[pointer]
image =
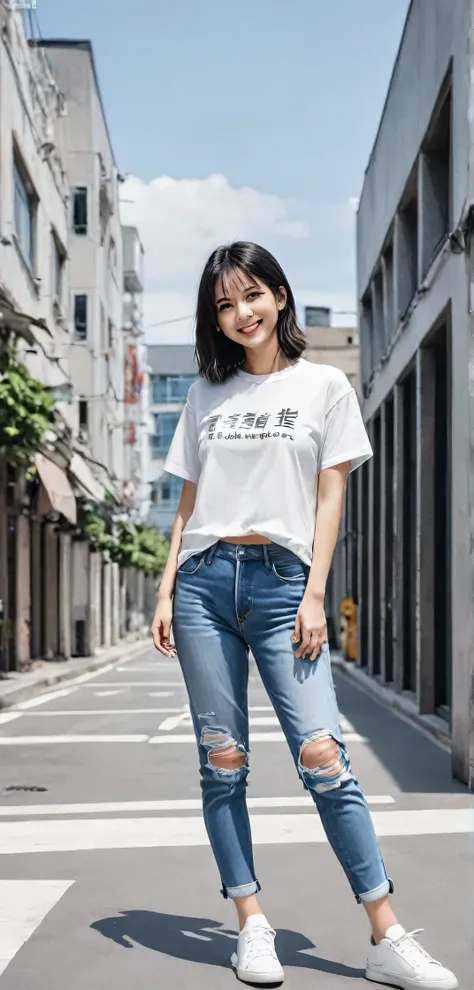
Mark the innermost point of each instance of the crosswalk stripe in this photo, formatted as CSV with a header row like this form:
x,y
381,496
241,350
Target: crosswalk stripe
x,y
136,684
23,906
349,737
179,804
9,717
60,740
66,835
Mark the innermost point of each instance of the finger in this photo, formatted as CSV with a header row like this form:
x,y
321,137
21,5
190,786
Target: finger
x,y
303,647
165,633
315,646
296,636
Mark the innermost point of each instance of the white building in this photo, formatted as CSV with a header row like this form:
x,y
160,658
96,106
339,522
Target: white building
x,y
136,451
95,252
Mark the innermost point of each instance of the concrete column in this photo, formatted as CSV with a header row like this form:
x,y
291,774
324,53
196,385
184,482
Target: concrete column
x,y
65,592
23,604
360,539
398,482
123,604
369,536
425,534
107,603
115,624
383,563
51,585
37,592
94,617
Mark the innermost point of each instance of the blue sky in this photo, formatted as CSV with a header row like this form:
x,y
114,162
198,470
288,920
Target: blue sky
x,y
251,120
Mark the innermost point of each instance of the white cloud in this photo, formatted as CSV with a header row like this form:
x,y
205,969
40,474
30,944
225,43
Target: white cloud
x,y
180,222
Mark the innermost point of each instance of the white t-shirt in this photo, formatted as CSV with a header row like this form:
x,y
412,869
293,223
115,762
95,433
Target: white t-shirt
x,y
255,444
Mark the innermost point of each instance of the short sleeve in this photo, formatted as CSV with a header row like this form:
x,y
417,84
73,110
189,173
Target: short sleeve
x,y
345,436
183,458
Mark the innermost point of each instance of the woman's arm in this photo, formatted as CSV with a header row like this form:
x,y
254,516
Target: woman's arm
x,y
161,625
311,627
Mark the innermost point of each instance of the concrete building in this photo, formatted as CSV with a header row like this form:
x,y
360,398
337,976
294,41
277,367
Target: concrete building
x,y
410,510
326,344
136,451
95,254
172,371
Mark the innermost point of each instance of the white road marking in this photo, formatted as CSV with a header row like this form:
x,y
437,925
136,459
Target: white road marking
x,y
140,684
53,740
156,668
174,720
161,694
106,694
349,737
9,717
23,906
202,938
104,711
179,804
43,699
138,833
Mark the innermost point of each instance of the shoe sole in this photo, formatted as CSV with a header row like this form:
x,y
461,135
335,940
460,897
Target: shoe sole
x,y
266,979
407,984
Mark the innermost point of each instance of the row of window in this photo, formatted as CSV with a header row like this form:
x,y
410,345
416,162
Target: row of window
x,y
165,426
171,388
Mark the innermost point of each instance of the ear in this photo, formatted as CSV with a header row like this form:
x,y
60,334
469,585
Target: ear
x,y
281,297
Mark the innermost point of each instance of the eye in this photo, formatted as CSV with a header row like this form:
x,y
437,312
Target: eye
x,y
223,306
254,294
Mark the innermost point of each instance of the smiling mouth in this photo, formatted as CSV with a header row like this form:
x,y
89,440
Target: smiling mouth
x,y
250,327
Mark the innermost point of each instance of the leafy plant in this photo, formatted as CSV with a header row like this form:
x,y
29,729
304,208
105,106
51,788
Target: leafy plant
x,y
127,544
26,410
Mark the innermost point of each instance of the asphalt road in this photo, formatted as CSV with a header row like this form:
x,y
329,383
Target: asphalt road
x,y
106,877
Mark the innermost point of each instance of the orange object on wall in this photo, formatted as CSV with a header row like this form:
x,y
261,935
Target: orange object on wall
x,y
348,628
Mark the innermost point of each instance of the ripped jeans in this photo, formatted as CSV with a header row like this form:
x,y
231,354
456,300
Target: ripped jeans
x,y
228,599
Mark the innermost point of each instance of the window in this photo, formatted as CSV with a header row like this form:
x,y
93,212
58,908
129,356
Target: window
x,y
57,268
110,334
171,388
165,425
171,488
80,317
79,221
436,182
83,412
24,209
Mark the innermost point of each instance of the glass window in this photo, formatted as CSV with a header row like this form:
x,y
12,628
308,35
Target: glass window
x,y
171,388
80,210
171,488
80,317
165,425
57,258
24,216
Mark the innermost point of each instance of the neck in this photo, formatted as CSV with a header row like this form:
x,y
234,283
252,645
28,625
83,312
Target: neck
x,y
266,359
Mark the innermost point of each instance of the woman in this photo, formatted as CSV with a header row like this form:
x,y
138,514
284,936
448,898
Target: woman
x,y
264,446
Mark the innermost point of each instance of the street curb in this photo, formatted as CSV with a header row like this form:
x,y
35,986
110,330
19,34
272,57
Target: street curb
x,y
431,725
14,690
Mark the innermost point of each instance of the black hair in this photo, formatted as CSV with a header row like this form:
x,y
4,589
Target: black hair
x,y
218,357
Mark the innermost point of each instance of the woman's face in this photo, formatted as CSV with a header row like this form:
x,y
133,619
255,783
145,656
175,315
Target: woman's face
x,y
247,310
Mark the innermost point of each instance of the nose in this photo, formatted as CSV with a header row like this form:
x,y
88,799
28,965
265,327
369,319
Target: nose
x,y
244,312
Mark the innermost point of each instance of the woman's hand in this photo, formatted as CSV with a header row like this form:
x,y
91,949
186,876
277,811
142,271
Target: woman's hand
x,y
310,627
161,626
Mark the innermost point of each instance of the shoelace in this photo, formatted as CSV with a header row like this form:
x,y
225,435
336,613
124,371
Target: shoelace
x,y
411,950
260,942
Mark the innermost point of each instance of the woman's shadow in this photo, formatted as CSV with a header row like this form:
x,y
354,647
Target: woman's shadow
x,y
203,940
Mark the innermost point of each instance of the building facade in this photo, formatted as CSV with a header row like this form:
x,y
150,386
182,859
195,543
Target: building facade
x,y
172,369
326,344
95,254
410,510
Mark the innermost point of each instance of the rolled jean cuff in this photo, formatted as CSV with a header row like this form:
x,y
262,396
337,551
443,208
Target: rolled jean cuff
x,y
244,890
382,890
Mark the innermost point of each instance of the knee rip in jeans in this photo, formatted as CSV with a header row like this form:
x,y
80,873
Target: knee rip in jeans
x,y
224,753
322,757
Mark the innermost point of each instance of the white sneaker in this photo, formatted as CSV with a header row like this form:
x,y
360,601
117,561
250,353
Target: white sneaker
x,y
256,960
400,961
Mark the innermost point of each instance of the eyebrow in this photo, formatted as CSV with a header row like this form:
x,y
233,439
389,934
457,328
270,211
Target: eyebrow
x,y
246,289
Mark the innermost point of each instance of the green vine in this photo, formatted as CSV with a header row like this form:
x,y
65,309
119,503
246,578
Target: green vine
x,y
127,544
26,410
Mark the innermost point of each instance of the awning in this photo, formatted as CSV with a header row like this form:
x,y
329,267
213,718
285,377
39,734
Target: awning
x,y
55,492
84,479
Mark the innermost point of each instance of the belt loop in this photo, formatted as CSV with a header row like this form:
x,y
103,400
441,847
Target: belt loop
x,y
266,556
211,553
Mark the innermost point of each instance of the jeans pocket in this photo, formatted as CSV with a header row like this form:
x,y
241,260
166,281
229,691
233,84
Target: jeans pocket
x,y
290,570
192,563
